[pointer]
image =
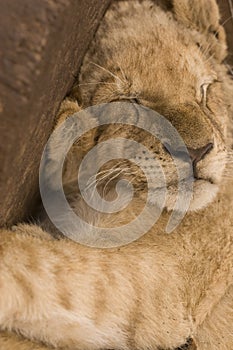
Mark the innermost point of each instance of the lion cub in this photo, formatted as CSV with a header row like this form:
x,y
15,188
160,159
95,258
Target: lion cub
x,y
159,290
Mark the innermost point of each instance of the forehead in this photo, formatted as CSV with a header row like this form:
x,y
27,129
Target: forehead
x,y
163,71
163,63
159,48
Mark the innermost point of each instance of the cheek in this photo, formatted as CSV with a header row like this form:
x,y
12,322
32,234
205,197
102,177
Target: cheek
x,y
170,171
161,172
216,104
203,194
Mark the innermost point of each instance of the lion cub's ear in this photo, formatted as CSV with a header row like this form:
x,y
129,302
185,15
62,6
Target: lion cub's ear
x,y
203,16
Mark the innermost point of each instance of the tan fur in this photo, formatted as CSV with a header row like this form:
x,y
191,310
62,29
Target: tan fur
x,y
160,290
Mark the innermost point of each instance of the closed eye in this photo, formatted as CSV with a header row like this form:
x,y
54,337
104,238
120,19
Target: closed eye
x,y
125,99
204,89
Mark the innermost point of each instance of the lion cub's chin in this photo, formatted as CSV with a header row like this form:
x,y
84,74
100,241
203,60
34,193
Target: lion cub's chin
x,y
202,195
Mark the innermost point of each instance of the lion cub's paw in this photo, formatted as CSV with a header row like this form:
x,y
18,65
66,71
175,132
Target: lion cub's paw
x,y
67,108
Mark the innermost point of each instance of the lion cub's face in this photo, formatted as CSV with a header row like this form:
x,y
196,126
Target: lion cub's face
x,y
146,56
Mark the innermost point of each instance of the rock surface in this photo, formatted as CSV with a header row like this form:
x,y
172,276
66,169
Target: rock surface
x,y
42,44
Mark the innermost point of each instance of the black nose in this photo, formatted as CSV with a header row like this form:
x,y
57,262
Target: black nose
x,y
197,154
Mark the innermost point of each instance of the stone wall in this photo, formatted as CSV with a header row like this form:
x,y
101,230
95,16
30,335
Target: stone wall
x,y
42,44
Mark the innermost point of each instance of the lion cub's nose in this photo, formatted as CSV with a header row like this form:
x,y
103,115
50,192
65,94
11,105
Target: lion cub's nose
x,y
197,154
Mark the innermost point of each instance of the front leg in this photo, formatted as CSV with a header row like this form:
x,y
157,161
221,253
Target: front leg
x,y
216,332
76,297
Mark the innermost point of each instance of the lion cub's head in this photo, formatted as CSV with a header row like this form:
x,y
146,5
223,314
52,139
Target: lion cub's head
x,y
168,59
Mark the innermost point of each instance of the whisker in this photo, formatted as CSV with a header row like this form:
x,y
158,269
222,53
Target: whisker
x,y
96,83
112,178
131,180
105,174
94,180
207,49
123,74
227,20
209,58
107,71
112,172
231,7
106,170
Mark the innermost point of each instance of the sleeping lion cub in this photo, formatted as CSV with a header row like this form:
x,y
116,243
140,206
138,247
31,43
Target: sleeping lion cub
x,y
160,291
